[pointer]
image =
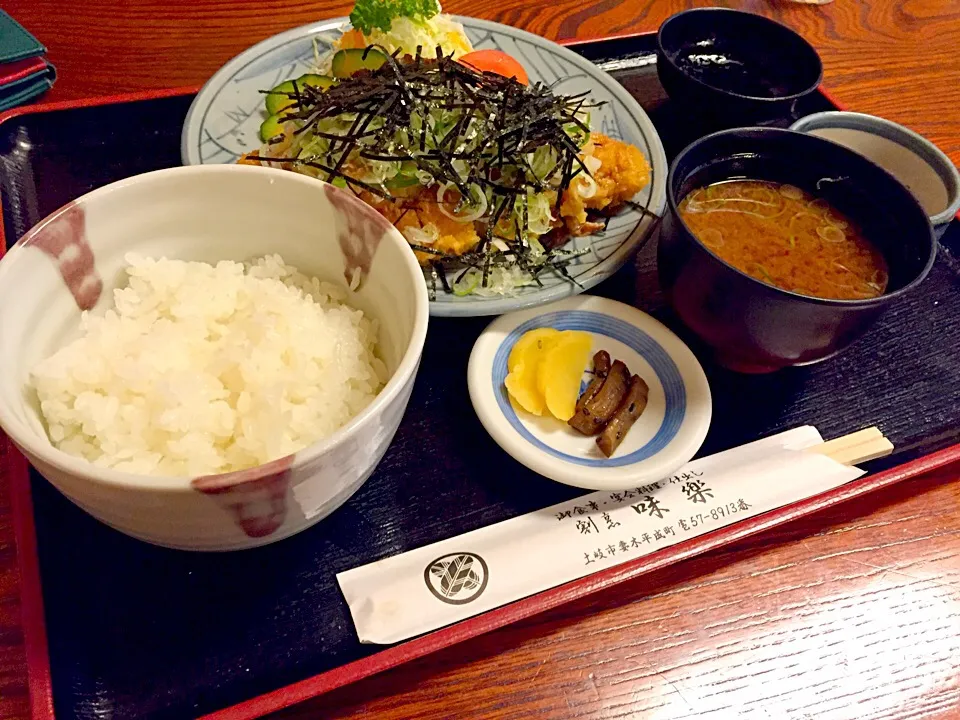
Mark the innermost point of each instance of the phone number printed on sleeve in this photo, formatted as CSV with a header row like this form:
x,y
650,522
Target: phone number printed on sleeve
x,y
718,513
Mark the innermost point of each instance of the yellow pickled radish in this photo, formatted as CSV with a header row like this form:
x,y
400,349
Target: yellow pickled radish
x,y
561,370
545,347
530,345
545,367
524,360
522,386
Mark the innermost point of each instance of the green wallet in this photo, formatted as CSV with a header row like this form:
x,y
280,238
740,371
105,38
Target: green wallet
x,y
24,74
26,88
15,42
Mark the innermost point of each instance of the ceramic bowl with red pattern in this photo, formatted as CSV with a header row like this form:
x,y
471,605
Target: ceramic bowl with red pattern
x,y
73,260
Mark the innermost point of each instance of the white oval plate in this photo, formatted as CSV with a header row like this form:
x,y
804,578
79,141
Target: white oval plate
x,y
224,120
665,437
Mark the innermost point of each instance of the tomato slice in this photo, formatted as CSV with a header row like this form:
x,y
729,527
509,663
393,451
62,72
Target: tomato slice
x,y
496,61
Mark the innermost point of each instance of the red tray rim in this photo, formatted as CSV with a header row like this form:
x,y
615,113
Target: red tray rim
x,y
39,679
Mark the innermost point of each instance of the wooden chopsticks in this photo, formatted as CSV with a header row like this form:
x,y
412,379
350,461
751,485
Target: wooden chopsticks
x,y
858,447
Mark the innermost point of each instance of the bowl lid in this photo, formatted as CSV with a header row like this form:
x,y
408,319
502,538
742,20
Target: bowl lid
x,y
915,161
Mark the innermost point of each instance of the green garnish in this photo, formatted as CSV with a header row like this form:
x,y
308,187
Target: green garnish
x,y
766,276
466,283
368,15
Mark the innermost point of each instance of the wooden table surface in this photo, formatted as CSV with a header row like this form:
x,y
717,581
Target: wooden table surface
x,y
853,613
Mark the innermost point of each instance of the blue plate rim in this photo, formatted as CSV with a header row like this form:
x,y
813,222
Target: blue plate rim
x,y
681,449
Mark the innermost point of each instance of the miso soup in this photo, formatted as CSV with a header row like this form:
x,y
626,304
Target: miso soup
x,y
787,238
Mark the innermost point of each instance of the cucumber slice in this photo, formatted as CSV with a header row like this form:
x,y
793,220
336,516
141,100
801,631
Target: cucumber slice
x,y
271,127
279,98
319,81
346,62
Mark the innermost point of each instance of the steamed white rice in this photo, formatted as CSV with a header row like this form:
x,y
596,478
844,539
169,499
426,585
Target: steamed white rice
x,y
204,369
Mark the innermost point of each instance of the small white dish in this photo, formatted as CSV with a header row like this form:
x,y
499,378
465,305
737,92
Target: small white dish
x,y
667,434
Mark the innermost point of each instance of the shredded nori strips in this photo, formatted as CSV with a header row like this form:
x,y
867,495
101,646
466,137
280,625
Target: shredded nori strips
x,y
492,124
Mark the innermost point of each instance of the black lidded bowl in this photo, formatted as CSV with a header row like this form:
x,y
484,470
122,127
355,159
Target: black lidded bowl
x,y
734,68
755,327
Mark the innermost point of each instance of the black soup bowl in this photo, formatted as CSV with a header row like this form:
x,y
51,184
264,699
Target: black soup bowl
x,y
734,67
753,326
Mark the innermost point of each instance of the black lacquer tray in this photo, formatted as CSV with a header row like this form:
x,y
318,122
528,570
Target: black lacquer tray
x,y
140,631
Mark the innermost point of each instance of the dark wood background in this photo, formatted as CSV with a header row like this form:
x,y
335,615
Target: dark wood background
x,y
853,613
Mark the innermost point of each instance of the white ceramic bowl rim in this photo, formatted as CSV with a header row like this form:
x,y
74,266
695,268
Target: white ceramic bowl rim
x,y
46,451
904,136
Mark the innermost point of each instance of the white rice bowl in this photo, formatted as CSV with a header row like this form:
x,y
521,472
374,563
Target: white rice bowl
x,y
203,369
339,371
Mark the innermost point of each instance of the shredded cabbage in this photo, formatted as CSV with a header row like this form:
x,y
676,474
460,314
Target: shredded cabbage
x,y
377,172
406,34
576,133
543,161
503,281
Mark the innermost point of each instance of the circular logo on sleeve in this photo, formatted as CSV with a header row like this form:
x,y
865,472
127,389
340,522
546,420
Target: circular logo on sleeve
x,y
457,578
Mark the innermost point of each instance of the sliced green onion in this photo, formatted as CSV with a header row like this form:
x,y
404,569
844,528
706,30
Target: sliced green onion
x,y
465,285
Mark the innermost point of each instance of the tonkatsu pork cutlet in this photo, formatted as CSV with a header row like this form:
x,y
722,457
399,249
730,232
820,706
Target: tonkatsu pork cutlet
x,y
623,172
421,212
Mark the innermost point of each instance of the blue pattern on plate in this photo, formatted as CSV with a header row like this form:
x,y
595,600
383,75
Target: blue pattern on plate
x,y
666,370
